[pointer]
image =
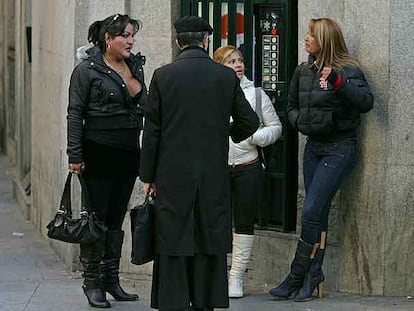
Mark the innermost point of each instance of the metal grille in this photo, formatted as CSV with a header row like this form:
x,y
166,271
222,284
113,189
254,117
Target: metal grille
x,y
266,33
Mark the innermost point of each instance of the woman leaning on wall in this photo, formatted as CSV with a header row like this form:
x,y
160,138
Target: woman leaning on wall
x,y
327,94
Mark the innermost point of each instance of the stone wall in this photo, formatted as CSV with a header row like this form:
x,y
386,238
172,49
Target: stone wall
x,y
7,105
53,60
2,78
399,146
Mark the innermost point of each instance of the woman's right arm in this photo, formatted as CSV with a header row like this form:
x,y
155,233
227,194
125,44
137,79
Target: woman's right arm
x,y
78,101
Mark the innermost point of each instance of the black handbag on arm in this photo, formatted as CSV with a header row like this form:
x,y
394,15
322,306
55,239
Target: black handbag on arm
x,y
142,231
86,229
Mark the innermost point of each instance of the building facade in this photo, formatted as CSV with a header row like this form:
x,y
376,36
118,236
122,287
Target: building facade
x,y
372,221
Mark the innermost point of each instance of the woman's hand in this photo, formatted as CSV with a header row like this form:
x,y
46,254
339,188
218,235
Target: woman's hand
x,y
325,72
76,168
323,80
149,188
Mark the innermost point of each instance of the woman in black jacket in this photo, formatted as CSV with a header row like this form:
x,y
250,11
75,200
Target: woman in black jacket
x,y
326,97
106,97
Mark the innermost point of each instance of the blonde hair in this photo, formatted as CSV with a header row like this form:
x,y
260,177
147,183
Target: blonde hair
x,y
333,50
222,53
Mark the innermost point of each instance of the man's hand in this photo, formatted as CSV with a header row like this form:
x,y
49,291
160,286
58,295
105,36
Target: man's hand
x,y
76,168
149,188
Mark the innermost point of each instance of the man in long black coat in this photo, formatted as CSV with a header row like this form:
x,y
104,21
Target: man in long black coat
x,y
184,162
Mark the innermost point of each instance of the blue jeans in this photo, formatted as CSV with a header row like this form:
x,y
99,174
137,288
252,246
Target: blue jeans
x,y
325,166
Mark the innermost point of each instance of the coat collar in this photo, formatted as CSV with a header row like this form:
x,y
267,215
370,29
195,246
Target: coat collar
x,y
193,52
312,62
95,58
246,83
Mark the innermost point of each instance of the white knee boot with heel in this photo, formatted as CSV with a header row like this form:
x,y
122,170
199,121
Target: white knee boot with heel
x,y
242,247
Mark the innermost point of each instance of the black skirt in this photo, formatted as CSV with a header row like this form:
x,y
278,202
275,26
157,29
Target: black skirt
x,y
106,161
181,281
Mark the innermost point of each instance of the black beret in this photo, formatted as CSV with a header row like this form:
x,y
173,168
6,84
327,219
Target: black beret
x,y
192,24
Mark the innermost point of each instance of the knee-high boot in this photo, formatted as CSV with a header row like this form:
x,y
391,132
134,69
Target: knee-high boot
x,y
314,278
300,265
242,247
90,257
110,267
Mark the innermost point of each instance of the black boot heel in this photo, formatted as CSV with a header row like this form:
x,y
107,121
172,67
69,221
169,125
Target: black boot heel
x,y
96,297
116,291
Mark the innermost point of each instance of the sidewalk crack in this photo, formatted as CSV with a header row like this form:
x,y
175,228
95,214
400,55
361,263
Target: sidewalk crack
x,y
31,297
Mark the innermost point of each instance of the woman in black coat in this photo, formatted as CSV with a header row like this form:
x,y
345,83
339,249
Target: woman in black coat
x,y
106,96
326,97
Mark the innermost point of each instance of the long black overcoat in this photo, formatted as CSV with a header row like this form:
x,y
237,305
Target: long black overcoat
x,y
185,148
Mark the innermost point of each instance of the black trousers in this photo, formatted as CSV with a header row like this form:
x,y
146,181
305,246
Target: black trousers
x,y
109,197
246,184
110,175
199,280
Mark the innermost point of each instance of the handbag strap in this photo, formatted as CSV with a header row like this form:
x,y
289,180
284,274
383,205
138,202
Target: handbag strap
x,y
66,200
259,112
85,201
258,107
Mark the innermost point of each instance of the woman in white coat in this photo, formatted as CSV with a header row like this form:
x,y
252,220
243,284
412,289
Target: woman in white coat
x,y
246,171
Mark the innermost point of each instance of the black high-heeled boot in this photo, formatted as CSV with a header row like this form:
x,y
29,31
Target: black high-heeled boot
x,y
314,278
90,256
300,265
110,267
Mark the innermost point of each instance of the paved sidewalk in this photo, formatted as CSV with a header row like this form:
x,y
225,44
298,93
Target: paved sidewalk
x,y
32,278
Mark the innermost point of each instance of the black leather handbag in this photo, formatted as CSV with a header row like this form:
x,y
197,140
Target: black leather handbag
x,y
142,231
86,229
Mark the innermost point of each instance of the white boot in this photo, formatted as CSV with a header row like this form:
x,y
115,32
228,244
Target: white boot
x,y
242,247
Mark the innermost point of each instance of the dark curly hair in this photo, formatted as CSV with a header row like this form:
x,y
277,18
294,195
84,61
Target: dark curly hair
x,y
114,25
